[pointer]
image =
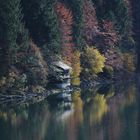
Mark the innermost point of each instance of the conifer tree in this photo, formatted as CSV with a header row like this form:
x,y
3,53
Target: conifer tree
x,y
10,25
51,22
41,20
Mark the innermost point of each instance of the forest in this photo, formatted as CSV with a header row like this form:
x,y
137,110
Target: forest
x,y
98,39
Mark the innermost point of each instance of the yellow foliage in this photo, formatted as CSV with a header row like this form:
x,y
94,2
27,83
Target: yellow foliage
x,y
78,105
129,60
94,61
98,109
76,65
76,98
75,81
2,81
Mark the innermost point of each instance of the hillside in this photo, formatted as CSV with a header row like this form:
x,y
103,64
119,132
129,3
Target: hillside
x,y
98,39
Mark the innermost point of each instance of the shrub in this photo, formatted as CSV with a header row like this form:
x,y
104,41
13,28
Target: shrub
x,y
31,71
36,67
93,61
14,80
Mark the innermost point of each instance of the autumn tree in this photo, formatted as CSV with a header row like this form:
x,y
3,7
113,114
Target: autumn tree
x,y
114,59
100,34
119,12
77,9
76,68
76,64
93,61
108,36
65,24
91,27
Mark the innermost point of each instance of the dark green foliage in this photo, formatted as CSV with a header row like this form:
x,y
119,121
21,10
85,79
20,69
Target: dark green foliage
x,y
51,22
118,10
41,20
10,22
99,8
13,36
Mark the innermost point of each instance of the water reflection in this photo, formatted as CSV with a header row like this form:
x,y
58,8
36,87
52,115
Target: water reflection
x,y
100,113
98,108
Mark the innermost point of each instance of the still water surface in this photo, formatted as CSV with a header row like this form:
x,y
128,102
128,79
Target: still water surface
x,y
105,113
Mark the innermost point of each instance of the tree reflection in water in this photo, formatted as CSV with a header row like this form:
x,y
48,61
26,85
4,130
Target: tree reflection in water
x,y
105,113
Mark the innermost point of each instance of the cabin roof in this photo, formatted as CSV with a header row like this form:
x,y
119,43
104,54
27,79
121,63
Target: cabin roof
x,y
62,65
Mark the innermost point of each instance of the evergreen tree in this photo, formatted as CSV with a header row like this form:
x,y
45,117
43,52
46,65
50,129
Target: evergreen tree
x,y
120,10
10,24
41,20
51,22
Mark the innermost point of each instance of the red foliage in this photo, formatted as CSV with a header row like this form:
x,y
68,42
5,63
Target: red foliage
x,y
109,37
65,23
91,28
104,36
101,36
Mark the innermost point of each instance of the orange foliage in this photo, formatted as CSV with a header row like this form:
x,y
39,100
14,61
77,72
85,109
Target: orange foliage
x,y
65,24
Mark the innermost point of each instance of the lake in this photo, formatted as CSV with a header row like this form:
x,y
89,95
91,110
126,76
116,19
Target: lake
x,y
109,112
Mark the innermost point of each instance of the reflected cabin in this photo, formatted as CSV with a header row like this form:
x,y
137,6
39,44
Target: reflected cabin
x,y
60,71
